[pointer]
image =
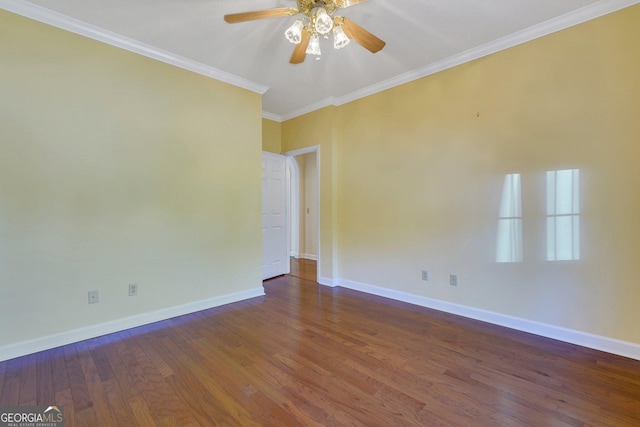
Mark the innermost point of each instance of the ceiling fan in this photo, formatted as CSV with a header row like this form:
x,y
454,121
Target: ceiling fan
x,y
318,20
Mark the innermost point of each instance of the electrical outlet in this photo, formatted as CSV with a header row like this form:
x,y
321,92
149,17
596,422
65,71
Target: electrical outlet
x,y
425,275
133,289
453,280
93,297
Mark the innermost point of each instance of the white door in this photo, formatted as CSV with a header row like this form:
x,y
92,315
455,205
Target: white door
x,y
275,259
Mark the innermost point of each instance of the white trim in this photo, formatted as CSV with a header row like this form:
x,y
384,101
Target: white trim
x,y
77,26
553,25
300,151
293,205
326,102
597,342
325,281
44,343
309,256
269,116
289,219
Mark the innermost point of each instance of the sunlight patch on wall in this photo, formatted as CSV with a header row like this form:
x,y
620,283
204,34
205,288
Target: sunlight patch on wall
x,y
509,240
563,215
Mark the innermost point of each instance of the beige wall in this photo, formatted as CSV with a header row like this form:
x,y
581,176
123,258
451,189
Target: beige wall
x,y
418,172
117,169
271,136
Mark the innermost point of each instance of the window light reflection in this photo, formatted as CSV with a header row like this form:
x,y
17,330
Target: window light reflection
x,y
509,240
563,215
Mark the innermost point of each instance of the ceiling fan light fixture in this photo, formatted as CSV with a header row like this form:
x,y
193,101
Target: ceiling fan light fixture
x,y
340,39
314,46
323,22
294,32
316,19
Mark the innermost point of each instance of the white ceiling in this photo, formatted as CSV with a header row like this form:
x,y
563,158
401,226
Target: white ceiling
x,y
423,36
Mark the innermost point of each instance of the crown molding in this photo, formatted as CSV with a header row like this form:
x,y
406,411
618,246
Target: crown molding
x,y
47,16
270,116
326,102
553,25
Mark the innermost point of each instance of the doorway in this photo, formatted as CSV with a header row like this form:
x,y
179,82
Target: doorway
x,y
303,173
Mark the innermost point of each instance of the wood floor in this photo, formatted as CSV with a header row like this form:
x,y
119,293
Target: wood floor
x,y
308,355
304,269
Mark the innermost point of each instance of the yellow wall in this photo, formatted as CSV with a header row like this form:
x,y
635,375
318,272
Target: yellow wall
x,y
319,129
117,169
301,163
271,136
308,206
420,169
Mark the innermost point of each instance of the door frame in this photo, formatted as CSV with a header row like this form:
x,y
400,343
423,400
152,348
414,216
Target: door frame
x,y
291,154
293,205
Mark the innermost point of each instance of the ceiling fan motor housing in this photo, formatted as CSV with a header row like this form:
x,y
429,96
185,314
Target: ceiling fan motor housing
x,y
306,6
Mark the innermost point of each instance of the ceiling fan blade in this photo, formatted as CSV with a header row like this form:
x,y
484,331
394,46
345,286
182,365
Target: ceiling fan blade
x,y
346,3
361,36
300,51
260,14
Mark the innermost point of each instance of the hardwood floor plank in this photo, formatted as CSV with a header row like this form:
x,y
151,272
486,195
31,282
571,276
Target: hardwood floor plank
x,y
59,376
304,269
157,360
181,333
162,402
97,393
314,405
77,383
122,412
28,380
141,412
188,387
101,361
64,398
311,355
498,397
112,350
263,388
86,418
226,380
46,392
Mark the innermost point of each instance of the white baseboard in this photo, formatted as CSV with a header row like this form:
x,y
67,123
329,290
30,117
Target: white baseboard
x,y
45,343
325,281
309,256
596,342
